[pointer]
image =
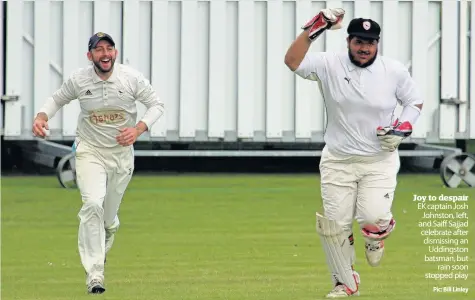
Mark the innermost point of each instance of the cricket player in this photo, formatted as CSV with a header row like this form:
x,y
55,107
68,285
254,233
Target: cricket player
x,y
360,160
107,93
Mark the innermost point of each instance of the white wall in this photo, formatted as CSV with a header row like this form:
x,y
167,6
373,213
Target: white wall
x,y
2,67
218,65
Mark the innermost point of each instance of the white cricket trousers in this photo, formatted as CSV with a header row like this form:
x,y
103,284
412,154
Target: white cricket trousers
x,y
102,175
358,187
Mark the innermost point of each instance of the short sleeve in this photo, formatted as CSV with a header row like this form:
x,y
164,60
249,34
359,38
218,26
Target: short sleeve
x,y
313,66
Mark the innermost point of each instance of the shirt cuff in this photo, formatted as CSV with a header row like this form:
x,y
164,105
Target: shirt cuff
x,y
152,115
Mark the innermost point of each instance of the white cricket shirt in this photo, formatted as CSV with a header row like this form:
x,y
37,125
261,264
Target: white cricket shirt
x,y
358,100
106,105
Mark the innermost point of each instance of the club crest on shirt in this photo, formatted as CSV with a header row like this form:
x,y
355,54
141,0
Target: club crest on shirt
x,y
107,117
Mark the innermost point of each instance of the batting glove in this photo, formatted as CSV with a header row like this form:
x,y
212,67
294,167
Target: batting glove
x,y
328,18
391,136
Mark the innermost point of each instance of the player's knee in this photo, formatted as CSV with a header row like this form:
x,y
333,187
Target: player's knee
x,y
369,218
90,210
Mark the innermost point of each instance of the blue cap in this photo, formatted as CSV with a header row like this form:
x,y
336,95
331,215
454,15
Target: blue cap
x,y
96,38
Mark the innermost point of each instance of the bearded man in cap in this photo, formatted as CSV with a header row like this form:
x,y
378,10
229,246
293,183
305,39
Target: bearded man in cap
x,y
360,160
107,129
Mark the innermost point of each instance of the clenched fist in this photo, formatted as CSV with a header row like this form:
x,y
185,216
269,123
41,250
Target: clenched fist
x,y
40,125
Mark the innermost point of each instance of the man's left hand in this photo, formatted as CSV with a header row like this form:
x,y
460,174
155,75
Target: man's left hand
x,y
391,136
127,136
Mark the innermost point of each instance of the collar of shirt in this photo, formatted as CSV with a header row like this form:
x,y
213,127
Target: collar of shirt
x,y
112,78
351,66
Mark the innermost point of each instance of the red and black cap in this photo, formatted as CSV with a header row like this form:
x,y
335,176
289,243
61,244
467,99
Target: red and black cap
x,y
364,28
96,38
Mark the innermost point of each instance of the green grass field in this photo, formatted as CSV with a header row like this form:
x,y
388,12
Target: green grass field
x,y
211,237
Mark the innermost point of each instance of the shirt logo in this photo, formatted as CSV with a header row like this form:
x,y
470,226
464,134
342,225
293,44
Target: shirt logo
x,y
106,117
347,79
88,93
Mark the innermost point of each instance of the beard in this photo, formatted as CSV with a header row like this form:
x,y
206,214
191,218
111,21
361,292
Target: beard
x,y
359,64
97,64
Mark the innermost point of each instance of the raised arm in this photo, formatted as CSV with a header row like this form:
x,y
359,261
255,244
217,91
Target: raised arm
x,y
297,51
298,60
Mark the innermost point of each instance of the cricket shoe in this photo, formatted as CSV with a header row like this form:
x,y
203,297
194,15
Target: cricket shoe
x,y
96,287
341,291
374,252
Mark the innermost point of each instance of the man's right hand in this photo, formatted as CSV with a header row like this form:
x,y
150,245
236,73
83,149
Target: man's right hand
x,y
40,125
328,18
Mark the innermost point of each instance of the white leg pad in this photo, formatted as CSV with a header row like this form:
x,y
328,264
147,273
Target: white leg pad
x,y
338,252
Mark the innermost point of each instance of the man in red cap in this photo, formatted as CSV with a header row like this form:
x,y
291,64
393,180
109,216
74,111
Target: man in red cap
x,y
360,160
